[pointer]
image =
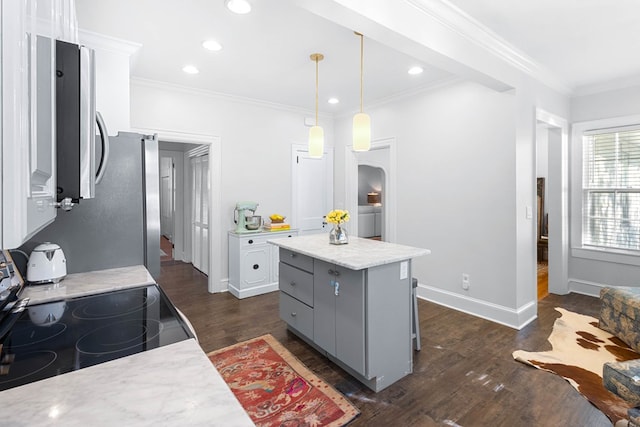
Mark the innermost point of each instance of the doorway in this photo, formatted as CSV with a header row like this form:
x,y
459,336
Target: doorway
x,y
382,156
370,202
552,151
175,188
213,146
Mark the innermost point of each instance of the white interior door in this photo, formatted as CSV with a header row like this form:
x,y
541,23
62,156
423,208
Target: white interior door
x,y
166,197
312,181
200,213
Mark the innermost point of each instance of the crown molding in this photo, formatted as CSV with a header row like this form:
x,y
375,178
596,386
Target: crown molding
x,y
460,22
111,44
155,84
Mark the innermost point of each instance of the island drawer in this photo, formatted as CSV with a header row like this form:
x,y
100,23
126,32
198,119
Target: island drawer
x,y
295,259
297,283
298,315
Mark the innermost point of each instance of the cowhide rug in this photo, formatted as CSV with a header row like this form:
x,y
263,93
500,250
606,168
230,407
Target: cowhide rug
x,y
580,349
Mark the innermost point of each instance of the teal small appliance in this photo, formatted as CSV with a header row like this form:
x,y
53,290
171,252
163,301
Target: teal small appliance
x,y
243,216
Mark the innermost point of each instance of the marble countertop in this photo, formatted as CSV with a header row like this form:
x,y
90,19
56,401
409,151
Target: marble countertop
x,y
173,385
94,282
169,385
358,254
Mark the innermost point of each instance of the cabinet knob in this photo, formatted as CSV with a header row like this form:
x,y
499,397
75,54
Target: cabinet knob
x,y
293,314
337,273
256,266
289,235
330,272
292,283
250,241
293,254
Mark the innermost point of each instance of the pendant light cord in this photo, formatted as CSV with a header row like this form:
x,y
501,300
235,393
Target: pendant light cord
x,y
316,91
361,68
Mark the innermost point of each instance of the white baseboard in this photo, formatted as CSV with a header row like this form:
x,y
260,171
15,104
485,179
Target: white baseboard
x,y
586,287
256,290
516,319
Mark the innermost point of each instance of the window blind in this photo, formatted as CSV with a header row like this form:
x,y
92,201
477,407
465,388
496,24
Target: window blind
x,y
611,189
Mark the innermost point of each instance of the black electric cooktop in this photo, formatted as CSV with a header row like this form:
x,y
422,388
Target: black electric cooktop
x,y
57,337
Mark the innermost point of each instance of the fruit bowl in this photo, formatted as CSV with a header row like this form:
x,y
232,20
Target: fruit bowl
x,y
277,219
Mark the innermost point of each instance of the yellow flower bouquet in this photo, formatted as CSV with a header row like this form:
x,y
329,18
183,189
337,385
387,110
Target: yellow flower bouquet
x,y
338,235
338,216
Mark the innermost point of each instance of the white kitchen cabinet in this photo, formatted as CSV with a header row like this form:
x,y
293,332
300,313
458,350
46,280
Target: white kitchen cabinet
x,y
29,30
253,263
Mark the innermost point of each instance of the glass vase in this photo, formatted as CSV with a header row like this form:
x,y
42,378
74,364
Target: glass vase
x,y
338,235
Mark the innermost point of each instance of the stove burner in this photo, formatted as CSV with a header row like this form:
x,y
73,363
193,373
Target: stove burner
x,y
119,336
97,309
31,335
28,364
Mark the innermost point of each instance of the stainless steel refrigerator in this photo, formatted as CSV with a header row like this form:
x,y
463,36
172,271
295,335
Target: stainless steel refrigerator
x,y
120,227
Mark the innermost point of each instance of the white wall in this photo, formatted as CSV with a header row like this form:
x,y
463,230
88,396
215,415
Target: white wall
x,y
112,58
589,275
256,141
455,191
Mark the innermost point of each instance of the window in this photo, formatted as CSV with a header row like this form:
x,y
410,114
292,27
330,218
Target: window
x,y
611,188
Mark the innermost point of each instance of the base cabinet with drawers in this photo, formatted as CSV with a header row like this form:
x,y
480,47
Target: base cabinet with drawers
x,y
360,319
253,263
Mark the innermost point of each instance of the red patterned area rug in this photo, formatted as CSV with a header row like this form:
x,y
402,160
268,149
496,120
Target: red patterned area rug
x,y
276,389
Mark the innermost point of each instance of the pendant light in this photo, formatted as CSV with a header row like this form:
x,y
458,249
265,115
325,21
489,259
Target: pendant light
x,y
316,134
361,121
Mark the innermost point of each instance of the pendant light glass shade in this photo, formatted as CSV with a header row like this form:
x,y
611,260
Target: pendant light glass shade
x,y
361,132
316,141
361,121
316,134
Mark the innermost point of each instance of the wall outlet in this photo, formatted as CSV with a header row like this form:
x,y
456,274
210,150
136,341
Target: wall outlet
x,y
466,281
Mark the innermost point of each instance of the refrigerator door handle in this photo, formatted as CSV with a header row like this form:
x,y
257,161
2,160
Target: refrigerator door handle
x,y
104,138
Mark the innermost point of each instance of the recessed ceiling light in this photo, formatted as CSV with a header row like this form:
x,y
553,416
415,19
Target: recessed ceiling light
x,y
240,7
415,70
212,45
333,100
190,69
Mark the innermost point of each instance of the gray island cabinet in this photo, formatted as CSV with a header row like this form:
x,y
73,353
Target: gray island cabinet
x,y
351,302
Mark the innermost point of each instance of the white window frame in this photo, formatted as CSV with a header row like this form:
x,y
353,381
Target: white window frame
x,y
577,249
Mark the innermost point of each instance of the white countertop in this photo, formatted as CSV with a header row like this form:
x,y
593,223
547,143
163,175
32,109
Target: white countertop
x,y
358,254
94,282
172,385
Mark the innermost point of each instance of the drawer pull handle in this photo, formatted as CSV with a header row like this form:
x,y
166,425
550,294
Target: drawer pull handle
x,y
256,266
334,273
293,283
251,241
293,314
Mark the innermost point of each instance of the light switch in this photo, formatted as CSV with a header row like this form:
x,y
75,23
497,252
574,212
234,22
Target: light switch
x,y
529,212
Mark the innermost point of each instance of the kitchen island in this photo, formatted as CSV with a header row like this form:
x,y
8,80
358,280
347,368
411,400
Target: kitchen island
x,y
351,302
173,384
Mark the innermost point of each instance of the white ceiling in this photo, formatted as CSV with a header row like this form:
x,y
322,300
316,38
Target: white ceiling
x,y
582,42
265,54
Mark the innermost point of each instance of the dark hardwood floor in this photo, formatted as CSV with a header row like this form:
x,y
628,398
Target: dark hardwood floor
x,y
463,376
